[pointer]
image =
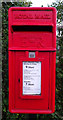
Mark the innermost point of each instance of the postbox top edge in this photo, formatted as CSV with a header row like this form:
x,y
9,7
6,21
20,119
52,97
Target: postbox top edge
x,y
33,8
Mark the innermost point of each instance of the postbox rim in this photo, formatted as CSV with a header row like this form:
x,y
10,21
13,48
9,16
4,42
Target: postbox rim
x,y
33,8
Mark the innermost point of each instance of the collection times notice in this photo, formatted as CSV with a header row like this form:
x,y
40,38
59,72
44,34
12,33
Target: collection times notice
x,y
31,78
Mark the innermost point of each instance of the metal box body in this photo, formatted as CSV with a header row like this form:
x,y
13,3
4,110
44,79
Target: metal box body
x,y
32,56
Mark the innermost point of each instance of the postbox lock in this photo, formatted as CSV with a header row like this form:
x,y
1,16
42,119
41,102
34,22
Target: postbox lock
x,y
31,54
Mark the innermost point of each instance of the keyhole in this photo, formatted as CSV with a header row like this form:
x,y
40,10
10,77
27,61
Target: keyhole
x,y
19,80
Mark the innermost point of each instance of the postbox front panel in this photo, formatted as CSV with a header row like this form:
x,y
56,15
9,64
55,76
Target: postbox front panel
x,y
31,60
36,98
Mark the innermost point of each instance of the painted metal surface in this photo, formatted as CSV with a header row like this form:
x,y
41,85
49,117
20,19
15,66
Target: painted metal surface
x,y
32,39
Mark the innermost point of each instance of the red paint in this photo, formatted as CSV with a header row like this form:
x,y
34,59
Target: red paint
x,y
32,29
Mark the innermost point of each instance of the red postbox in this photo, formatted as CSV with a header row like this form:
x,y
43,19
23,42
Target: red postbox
x,y
32,56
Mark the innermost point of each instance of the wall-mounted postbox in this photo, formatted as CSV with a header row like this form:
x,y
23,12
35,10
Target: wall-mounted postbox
x,y
32,54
